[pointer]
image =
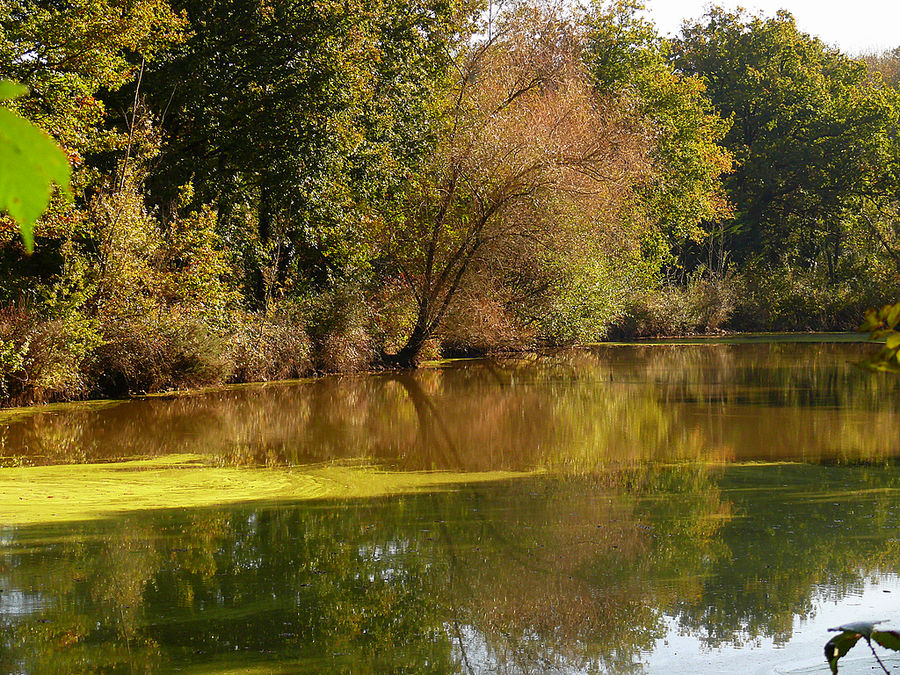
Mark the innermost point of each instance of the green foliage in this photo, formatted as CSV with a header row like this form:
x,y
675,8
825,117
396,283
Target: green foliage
x,y
30,163
69,53
882,324
331,104
127,307
838,646
784,297
627,58
163,296
621,45
587,296
265,188
814,141
889,639
194,266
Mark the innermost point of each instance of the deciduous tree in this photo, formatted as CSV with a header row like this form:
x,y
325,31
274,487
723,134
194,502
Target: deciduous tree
x,y
816,144
292,115
533,172
683,197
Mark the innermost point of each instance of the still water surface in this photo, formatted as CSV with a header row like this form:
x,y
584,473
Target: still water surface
x,y
680,509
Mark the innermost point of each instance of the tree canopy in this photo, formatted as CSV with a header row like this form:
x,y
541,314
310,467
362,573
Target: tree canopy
x,y
299,115
815,144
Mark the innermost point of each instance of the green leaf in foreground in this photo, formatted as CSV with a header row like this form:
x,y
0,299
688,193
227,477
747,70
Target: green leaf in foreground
x,y
10,90
30,163
881,324
839,645
889,639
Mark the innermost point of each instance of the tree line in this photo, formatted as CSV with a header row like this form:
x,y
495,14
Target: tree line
x,y
269,188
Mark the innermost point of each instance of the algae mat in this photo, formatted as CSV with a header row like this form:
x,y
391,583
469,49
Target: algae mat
x,y
47,494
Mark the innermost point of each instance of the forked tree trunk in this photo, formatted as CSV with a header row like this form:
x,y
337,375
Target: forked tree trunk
x,y
408,356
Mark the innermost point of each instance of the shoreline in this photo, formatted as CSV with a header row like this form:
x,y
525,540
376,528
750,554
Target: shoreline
x,y
708,339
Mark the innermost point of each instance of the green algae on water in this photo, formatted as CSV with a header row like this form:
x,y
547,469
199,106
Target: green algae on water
x,y
73,492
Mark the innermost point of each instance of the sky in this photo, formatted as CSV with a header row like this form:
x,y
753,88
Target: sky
x,y
857,26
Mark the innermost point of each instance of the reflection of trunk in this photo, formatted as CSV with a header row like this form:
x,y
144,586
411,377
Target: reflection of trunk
x,y
432,431
458,587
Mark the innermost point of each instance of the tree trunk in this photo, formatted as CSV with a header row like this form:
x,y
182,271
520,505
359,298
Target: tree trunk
x,y
408,356
265,218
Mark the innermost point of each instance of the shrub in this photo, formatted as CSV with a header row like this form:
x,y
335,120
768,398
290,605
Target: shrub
x,y
164,297
482,323
267,347
42,359
702,304
166,348
339,323
194,268
586,298
792,300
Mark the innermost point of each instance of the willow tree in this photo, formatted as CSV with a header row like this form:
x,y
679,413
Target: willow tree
x,y
531,173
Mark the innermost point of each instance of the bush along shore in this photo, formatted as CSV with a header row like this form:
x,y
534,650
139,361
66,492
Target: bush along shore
x,y
269,191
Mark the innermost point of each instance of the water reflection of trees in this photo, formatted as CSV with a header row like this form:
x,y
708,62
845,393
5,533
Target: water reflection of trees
x,y
405,585
569,582
93,590
576,410
813,528
575,571
575,574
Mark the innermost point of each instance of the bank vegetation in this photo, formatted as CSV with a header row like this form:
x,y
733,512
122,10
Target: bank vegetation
x,y
266,190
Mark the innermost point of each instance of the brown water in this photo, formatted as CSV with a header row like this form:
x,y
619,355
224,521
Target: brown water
x,y
575,410
697,508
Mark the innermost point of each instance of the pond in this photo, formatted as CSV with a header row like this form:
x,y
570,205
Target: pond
x,y
666,508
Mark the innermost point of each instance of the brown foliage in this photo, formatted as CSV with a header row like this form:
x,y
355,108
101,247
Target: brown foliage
x,y
271,347
531,162
168,348
42,359
884,64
